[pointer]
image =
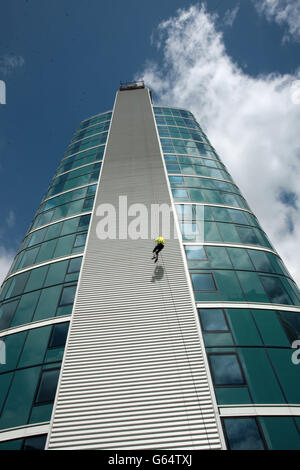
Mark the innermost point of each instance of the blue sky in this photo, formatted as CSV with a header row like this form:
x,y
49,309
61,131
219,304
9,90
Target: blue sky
x,y
62,61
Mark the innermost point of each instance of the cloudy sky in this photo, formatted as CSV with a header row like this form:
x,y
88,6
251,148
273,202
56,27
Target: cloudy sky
x,y
235,64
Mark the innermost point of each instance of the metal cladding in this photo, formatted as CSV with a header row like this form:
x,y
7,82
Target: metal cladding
x,y
134,374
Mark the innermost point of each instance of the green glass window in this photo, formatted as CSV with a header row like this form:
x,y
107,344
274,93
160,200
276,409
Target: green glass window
x,y
7,311
19,401
195,252
237,216
37,237
184,211
47,303
189,230
275,290
84,220
68,295
46,251
252,287
13,346
228,285
17,284
180,193
80,240
35,346
54,231
240,258
280,432
176,179
270,328
64,246
74,265
261,261
243,327
26,307
203,282
261,380
247,235
211,232
36,278
56,273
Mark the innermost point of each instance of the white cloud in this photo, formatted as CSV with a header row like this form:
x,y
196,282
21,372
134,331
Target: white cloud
x,y
283,12
10,219
252,122
9,62
230,16
6,259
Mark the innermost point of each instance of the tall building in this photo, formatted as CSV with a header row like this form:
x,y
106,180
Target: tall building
x,y
105,349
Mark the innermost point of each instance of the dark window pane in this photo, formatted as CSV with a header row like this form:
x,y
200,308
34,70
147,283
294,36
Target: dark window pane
x,y
243,434
247,235
84,220
17,284
238,216
274,290
203,282
291,324
68,295
88,204
80,240
74,265
35,442
48,384
226,369
59,335
213,319
261,261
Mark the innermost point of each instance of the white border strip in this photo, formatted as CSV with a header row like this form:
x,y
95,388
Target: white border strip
x,y
76,168
250,305
34,266
67,191
232,245
24,431
88,127
259,410
33,325
56,222
203,176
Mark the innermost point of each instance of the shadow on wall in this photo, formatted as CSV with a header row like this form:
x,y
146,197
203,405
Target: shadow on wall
x,y
158,273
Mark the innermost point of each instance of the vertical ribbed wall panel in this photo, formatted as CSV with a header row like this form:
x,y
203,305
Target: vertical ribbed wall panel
x,y
133,376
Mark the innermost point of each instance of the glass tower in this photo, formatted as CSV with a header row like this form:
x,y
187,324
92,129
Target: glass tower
x,y
195,352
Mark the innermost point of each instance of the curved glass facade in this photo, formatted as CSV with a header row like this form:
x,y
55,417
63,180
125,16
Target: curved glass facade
x,y
37,295
231,263
247,304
